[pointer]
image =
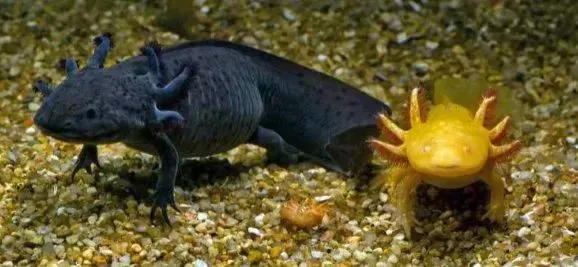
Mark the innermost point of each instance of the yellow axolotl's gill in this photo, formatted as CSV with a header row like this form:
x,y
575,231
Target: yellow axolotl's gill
x,y
448,148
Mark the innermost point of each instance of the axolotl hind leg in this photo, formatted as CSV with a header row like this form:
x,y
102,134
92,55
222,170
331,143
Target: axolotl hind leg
x,y
278,150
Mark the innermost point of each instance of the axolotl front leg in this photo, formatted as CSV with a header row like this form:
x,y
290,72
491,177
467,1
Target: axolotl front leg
x,y
155,132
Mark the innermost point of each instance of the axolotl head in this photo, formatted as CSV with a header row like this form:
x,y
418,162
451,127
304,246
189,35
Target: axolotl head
x,y
449,144
95,105
92,106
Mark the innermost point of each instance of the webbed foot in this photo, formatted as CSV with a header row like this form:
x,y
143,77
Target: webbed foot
x,y
495,212
88,156
162,199
165,188
497,206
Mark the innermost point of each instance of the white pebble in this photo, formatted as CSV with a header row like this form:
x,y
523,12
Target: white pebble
x,y
392,259
431,45
571,140
284,255
383,197
259,219
360,255
200,263
322,57
288,14
322,198
401,38
255,231
316,254
30,130
202,216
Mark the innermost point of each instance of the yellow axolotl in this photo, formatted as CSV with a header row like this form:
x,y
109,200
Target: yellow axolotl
x,y
451,148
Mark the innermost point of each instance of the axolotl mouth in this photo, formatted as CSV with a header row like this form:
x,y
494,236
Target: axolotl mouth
x,y
81,138
67,133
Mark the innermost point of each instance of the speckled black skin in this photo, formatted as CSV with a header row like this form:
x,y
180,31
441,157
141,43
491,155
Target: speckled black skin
x,y
206,97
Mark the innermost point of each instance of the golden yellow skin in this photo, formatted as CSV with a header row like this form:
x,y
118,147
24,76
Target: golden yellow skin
x,y
451,149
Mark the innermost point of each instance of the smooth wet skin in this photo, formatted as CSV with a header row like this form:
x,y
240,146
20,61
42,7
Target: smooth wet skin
x,y
202,98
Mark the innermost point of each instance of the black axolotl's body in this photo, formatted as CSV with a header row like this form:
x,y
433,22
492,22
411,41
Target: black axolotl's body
x,y
206,97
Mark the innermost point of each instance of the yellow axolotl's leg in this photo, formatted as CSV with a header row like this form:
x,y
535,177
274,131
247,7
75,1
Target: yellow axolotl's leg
x,y
389,178
405,199
497,205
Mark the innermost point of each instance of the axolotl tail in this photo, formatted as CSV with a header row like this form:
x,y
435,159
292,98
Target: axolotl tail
x,y
328,120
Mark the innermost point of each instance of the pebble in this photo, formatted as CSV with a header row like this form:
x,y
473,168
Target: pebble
x,y
255,231
200,263
431,45
401,38
72,239
288,14
360,255
201,216
316,254
524,231
322,198
383,197
392,259
340,254
522,175
136,248
30,130
87,254
259,219
421,68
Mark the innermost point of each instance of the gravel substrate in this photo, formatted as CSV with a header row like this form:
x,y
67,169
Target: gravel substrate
x,y
231,202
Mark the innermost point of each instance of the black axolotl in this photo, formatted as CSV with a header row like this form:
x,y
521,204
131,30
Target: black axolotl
x,y
206,97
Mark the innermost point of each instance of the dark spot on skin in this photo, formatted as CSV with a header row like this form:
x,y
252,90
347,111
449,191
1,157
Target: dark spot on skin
x,y
300,74
301,83
216,56
317,101
338,113
91,114
338,98
343,89
352,103
350,115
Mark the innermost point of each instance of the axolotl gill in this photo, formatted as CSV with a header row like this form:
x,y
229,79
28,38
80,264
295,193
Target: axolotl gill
x,y
201,98
449,148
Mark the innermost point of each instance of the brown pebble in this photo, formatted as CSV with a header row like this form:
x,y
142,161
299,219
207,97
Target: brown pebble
x,y
275,251
99,259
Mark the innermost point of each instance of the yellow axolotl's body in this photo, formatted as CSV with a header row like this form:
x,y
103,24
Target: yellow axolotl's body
x,y
450,149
